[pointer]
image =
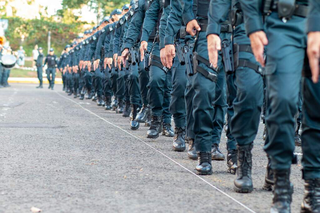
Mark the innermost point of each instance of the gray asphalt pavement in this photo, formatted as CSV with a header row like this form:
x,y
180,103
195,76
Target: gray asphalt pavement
x,y
61,154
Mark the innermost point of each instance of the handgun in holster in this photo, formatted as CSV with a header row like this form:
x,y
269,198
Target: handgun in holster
x,y
183,32
195,64
286,9
180,54
133,57
227,55
146,61
187,53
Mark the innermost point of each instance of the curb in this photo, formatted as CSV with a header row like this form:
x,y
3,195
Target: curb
x,y
32,80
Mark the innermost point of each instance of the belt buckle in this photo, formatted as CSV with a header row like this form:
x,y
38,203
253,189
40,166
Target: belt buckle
x,y
165,69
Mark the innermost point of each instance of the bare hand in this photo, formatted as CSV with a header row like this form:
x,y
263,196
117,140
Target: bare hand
x,y
163,57
313,51
170,52
258,41
124,55
115,57
143,47
96,64
214,45
193,27
105,61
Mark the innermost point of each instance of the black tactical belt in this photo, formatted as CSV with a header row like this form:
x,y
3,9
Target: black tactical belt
x,y
247,63
301,10
156,61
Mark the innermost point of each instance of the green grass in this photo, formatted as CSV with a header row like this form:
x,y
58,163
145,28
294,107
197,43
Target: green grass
x,y
27,73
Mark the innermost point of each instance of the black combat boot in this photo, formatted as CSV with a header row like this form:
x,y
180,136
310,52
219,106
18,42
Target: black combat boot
x,y
142,115
268,180
127,110
216,153
114,104
192,154
297,138
264,132
94,98
282,193
134,125
155,128
179,144
120,107
100,101
204,167
167,130
232,161
311,199
70,92
108,103
149,119
89,95
81,97
243,182
75,94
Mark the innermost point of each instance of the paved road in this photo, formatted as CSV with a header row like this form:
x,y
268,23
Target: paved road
x,y
60,154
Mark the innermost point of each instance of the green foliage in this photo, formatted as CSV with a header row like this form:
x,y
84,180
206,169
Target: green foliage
x,y
36,32
100,7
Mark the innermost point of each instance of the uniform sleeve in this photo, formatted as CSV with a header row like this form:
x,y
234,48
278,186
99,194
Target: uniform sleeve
x,y
97,54
150,20
91,50
107,44
174,22
218,10
187,6
59,62
163,26
134,28
252,15
56,60
116,40
110,52
45,61
314,16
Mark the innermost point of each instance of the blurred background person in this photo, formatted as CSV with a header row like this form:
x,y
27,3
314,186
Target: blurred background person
x,y
21,57
52,63
39,64
35,54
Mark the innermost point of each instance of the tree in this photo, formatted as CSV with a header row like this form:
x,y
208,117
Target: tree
x,y
99,7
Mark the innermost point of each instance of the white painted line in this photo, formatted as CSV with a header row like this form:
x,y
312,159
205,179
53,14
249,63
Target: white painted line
x,y
166,156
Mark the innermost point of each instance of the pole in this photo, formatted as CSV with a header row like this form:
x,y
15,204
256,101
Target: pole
x,y
49,41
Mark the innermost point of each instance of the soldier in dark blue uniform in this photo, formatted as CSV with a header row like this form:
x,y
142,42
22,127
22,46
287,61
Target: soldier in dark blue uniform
x,y
285,24
139,77
160,83
249,85
39,64
52,62
311,117
62,66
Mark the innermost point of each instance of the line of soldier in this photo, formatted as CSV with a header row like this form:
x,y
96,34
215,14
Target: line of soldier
x,y
198,60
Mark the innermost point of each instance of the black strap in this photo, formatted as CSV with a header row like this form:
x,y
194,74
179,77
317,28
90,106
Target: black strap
x,y
209,75
245,48
203,60
156,61
247,63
